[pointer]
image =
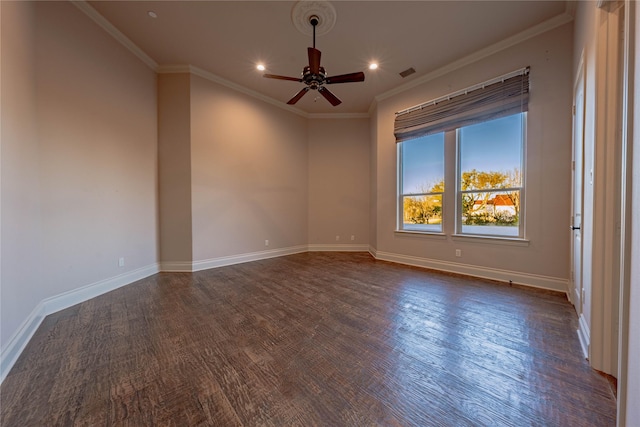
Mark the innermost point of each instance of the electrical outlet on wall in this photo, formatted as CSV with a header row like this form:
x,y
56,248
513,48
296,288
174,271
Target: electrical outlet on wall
x,y
337,238
121,262
458,253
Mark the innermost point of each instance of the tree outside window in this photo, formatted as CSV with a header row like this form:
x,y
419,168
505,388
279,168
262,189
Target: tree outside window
x,y
488,187
422,183
490,178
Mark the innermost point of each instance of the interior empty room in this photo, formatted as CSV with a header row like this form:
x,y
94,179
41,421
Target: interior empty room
x,y
319,213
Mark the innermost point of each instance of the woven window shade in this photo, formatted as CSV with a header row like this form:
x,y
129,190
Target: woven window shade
x,y
498,99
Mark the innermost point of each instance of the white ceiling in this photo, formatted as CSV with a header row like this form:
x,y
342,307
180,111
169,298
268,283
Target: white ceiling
x,y
228,39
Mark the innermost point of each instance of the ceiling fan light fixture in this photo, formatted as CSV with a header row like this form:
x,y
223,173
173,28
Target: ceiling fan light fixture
x,y
373,66
261,67
314,75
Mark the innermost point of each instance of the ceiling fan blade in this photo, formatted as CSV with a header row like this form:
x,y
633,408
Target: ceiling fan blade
x,y
274,76
314,60
329,96
298,95
345,78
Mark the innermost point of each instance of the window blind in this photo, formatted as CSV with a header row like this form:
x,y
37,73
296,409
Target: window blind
x,y
477,104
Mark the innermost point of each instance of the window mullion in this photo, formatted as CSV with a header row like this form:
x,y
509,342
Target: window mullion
x,y
450,188
491,190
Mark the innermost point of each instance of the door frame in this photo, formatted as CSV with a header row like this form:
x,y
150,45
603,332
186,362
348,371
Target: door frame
x,y
604,300
575,282
628,89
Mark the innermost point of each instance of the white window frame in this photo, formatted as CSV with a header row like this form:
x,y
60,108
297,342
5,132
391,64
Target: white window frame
x,y
455,191
460,192
400,200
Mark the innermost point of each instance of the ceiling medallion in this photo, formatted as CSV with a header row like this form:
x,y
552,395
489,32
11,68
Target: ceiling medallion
x,y
305,9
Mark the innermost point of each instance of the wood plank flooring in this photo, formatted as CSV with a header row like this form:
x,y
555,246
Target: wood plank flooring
x,y
314,339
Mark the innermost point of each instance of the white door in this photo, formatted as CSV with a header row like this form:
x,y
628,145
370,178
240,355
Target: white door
x,y
576,293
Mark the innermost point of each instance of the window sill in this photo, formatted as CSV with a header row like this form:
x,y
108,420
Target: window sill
x,y
510,241
427,234
497,240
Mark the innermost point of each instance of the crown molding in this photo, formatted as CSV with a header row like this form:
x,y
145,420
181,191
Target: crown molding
x,y
372,107
338,115
169,69
115,33
531,32
239,88
184,68
570,7
174,69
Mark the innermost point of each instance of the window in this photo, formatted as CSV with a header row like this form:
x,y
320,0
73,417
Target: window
x,y
484,177
422,183
488,188
490,177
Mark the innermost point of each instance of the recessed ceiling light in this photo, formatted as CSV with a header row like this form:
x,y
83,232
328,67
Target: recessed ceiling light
x,y
261,67
152,14
373,66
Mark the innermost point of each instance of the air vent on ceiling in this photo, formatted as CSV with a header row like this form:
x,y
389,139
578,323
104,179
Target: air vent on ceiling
x,y
407,72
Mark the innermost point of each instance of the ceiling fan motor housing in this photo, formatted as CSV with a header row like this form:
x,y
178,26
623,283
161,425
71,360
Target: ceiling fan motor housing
x,y
316,15
313,80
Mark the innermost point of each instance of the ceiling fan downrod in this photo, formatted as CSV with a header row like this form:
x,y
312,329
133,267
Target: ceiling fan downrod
x,y
314,20
314,75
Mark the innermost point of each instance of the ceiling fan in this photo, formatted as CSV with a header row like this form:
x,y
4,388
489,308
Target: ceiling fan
x,y
315,77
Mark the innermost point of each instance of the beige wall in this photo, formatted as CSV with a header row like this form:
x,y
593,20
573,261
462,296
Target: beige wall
x,y
548,160
249,173
174,167
80,190
97,124
339,181
21,195
373,183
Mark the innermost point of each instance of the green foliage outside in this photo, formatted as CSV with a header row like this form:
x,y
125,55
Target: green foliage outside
x,y
478,208
423,210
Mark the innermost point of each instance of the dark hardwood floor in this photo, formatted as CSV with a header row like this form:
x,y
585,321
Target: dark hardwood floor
x,y
315,339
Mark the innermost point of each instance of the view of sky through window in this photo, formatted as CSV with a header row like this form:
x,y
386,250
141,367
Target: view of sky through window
x,y
423,163
489,146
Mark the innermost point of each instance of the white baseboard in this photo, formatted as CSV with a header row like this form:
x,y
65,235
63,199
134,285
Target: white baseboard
x,y
53,304
76,296
248,257
50,305
583,335
373,251
576,296
338,248
176,266
20,339
532,280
